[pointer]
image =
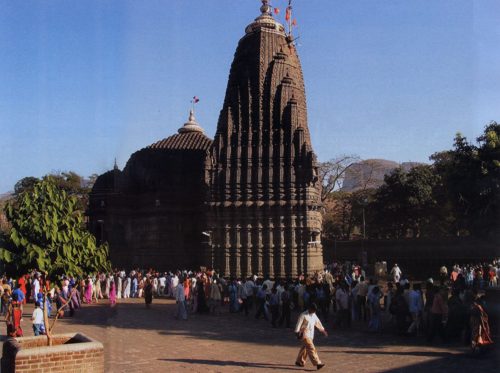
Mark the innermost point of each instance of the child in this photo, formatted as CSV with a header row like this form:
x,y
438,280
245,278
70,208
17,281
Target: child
x,y
37,319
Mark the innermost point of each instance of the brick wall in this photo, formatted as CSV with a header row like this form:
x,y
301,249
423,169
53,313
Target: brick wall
x,y
79,354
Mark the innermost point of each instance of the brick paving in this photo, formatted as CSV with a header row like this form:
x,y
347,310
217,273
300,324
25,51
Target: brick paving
x,y
152,340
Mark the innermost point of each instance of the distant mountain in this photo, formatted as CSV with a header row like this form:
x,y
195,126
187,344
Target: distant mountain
x,y
6,196
370,173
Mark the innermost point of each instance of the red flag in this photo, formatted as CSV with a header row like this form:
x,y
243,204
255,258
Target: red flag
x,y
287,14
276,10
294,22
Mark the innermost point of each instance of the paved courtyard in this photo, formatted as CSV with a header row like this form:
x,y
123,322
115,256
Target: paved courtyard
x,y
141,340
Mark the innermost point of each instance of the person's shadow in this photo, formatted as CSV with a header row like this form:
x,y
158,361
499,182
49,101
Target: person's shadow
x,y
236,364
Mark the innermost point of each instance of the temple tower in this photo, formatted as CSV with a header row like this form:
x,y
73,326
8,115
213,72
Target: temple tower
x,y
264,189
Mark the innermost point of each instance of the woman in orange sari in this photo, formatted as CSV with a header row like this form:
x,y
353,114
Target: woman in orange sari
x,y
480,327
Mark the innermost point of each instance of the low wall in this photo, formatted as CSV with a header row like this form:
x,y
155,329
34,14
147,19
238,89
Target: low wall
x,y
416,257
70,353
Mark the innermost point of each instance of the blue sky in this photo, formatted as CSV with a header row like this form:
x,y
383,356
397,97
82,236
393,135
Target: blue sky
x,y
83,82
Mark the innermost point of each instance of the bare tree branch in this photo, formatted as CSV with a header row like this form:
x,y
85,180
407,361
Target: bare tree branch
x,y
332,173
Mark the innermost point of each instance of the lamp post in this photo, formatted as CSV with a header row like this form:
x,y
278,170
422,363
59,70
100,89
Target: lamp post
x,y
101,224
208,235
364,203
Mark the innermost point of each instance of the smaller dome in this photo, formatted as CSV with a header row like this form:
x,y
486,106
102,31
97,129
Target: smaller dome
x,y
191,125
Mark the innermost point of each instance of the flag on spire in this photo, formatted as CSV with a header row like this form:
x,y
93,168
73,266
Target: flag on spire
x,y
276,11
195,100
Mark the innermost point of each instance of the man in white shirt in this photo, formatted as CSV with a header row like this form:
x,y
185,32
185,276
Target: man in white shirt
x,y
396,273
35,286
180,299
304,329
269,285
163,282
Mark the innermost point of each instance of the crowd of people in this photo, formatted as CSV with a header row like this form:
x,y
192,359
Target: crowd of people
x,y
452,307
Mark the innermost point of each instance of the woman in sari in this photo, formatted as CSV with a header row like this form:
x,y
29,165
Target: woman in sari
x,y
112,293
480,328
13,319
126,288
88,291
148,293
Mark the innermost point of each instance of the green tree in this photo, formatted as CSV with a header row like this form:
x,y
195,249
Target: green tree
x,y
26,183
74,185
471,175
405,204
48,233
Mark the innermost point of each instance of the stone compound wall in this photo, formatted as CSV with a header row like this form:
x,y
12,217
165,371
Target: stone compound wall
x,y
71,353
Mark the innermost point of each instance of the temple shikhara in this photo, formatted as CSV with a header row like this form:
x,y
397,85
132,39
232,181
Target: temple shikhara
x,y
247,202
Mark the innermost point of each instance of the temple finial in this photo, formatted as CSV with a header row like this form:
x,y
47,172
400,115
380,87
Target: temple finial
x,y
115,167
265,8
191,125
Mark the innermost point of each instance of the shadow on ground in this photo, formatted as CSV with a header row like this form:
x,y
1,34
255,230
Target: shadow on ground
x,y
229,363
230,326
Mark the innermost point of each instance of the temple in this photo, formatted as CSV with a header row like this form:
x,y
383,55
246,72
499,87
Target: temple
x,y
246,203
152,213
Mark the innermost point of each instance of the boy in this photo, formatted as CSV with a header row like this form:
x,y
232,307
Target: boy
x,y
37,319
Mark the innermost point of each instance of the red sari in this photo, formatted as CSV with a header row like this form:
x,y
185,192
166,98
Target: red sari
x,y
22,286
480,327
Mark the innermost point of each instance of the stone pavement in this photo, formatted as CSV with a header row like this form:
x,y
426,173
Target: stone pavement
x,y
137,339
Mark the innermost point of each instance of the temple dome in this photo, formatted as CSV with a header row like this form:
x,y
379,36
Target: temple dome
x,y
190,137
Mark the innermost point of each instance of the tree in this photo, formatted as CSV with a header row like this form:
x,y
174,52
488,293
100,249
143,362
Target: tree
x,y
74,185
344,213
48,233
471,174
332,173
405,203
25,184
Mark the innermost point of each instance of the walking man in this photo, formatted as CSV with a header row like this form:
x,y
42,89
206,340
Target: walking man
x,y
306,324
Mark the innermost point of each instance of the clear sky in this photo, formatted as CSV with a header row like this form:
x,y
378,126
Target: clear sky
x,y
85,81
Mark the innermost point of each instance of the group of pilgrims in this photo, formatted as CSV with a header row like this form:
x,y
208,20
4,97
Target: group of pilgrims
x,y
452,307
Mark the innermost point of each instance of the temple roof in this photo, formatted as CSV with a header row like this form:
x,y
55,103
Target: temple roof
x,y
190,137
184,141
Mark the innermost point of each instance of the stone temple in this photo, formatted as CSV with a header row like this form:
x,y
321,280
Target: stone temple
x,y
247,202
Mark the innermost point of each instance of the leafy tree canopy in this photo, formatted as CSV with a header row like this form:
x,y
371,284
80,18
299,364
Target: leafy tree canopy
x,y
48,233
25,184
